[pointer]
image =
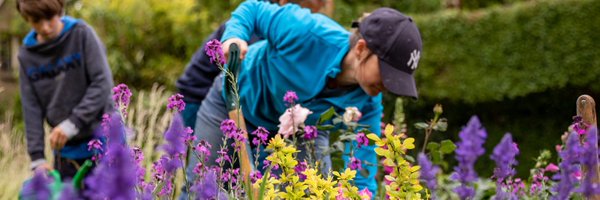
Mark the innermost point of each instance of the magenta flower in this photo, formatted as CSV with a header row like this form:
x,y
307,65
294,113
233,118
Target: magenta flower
x,y
300,168
261,136
551,168
223,156
255,176
362,139
290,97
579,126
95,144
203,148
176,103
310,132
355,164
215,52
122,97
189,135
229,128
365,193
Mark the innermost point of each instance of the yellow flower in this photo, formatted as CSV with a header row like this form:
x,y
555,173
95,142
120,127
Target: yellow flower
x,y
347,175
276,143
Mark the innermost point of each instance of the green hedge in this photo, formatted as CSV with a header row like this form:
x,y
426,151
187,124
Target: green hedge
x,y
508,52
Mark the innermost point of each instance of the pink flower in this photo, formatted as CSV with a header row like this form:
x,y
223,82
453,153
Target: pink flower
x,y
291,119
365,194
361,139
552,168
352,114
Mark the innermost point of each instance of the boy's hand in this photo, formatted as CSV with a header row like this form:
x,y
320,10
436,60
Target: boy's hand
x,y
57,138
243,45
44,166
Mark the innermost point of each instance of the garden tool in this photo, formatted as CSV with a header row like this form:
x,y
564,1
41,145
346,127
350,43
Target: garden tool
x,y
235,112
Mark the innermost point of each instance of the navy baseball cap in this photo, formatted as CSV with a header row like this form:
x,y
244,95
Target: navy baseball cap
x,y
396,41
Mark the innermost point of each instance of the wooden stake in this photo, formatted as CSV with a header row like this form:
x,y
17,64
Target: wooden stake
x,y
586,108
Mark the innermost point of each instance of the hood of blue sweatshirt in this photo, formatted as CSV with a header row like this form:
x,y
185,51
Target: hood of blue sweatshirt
x,y
31,37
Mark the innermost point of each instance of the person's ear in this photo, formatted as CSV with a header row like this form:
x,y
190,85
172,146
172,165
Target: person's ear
x,y
283,2
361,49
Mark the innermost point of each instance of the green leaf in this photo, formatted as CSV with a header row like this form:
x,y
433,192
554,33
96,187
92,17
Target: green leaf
x,y
447,147
410,158
441,125
347,137
433,146
421,125
325,127
327,115
436,157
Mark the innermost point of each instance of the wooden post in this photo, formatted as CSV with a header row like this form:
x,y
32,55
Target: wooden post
x,y
586,108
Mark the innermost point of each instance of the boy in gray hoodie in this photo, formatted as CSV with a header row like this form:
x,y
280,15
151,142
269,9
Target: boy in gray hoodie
x,y
65,80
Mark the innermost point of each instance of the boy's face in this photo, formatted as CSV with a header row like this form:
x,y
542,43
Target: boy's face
x,y
47,29
369,77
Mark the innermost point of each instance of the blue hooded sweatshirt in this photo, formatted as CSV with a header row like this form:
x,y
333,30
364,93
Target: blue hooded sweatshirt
x,y
301,52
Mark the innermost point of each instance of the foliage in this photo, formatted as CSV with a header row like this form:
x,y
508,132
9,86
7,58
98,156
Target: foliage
x,y
550,40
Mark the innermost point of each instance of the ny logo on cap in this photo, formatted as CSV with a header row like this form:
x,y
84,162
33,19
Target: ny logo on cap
x,y
414,59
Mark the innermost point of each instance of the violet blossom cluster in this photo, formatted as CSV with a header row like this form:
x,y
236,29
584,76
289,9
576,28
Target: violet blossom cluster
x,y
568,168
469,149
176,103
589,160
122,97
215,52
504,155
428,173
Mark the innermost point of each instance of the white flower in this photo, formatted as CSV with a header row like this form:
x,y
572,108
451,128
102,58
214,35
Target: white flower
x,y
352,114
291,119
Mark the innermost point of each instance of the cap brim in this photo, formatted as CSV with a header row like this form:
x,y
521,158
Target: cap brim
x,y
396,81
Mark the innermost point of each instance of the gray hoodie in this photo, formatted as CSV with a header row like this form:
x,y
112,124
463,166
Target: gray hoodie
x,y
67,82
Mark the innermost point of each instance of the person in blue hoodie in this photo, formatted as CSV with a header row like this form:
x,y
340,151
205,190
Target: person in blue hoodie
x,y
326,65
65,80
199,73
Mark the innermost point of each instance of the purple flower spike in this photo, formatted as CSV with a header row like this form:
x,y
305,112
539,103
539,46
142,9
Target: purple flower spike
x,y
504,156
469,149
176,103
38,186
568,168
215,52
175,138
207,187
428,172
290,97
589,159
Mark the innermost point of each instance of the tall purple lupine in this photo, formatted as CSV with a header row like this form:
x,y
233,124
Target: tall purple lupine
x,y
207,187
589,160
38,186
469,149
175,147
68,193
112,178
215,52
568,168
122,97
504,156
428,173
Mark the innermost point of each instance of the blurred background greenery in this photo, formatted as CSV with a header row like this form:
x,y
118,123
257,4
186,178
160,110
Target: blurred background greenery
x,y
517,64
